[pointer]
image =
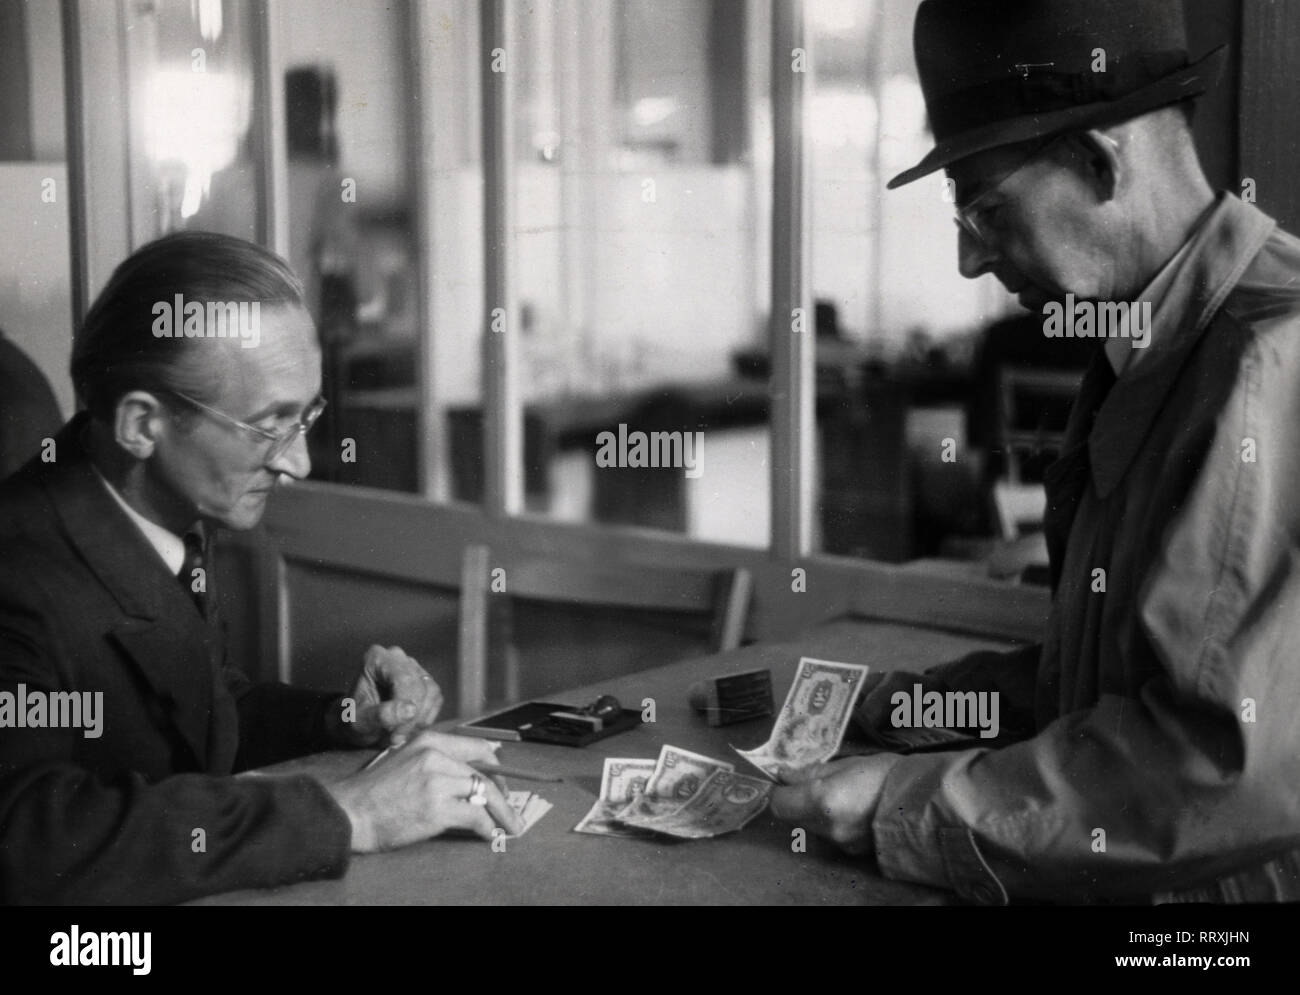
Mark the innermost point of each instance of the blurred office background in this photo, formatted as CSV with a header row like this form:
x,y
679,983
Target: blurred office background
x,y
641,160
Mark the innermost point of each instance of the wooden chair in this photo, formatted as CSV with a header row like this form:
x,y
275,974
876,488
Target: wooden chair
x,y
1018,506
1033,405
722,596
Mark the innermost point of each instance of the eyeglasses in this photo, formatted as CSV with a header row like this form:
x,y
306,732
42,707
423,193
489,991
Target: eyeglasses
x,y
975,217
279,441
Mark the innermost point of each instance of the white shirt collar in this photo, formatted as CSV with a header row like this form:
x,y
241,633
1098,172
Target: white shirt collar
x,y
169,546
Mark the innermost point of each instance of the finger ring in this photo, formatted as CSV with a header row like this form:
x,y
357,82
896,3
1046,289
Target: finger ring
x,y
477,791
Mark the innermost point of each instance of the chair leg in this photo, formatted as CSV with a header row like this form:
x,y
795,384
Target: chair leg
x,y
472,656
511,675
732,610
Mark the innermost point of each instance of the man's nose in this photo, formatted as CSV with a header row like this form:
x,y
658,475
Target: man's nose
x,y
294,461
974,257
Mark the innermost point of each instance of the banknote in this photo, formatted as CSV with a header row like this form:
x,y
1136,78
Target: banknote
x,y
623,780
681,794
529,807
677,777
812,721
723,803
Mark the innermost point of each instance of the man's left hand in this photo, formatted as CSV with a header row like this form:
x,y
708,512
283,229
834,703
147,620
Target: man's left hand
x,y
837,800
395,698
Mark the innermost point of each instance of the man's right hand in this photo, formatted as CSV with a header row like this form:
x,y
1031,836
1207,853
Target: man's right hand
x,y
419,791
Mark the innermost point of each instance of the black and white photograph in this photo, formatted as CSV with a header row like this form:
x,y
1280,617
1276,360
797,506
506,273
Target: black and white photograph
x,y
616,453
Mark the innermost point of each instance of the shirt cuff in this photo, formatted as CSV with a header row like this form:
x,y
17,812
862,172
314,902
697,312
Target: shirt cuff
x,y
912,846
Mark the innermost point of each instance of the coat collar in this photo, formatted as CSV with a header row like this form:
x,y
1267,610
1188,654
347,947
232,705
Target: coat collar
x,y
1222,249
109,542
163,633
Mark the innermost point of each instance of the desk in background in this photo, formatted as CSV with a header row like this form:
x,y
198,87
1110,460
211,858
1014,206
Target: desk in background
x,y
554,865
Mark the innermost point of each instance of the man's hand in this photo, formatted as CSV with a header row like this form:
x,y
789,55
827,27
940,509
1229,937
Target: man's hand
x,y
837,800
394,697
419,791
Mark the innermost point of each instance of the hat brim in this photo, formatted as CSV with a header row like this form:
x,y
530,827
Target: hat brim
x,y
1191,81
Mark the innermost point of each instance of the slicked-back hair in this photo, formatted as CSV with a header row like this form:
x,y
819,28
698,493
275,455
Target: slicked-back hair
x,y
117,352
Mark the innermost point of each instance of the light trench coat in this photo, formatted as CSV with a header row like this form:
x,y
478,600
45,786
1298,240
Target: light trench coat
x,y
1150,748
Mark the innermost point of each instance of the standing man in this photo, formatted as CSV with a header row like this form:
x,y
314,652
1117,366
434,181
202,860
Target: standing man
x,y
1155,752
120,718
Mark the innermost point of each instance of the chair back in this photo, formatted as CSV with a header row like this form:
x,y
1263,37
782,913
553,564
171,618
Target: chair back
x,y
490,583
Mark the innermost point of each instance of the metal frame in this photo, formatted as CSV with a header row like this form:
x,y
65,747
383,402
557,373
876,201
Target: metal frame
x,y
503,421
791,332
99,196
273,192
434,454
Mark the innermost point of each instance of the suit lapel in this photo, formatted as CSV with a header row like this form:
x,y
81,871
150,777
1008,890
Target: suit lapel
x,y
163,633
223,731
175,664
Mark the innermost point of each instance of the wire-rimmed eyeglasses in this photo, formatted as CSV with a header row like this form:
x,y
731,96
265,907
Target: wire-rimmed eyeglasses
x,y
279,441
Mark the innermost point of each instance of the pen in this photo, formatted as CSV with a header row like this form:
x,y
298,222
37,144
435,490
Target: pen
x,y
520,773
492,770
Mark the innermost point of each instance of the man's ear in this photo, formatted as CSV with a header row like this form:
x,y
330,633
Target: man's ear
x,y
1103,166
139,421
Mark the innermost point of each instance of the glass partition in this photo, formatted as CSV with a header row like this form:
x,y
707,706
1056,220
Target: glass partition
x,y
898,328
641,164
352,228
642,248
195,134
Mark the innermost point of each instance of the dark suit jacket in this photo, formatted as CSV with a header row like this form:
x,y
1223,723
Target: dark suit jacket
x,y
86,604
28,411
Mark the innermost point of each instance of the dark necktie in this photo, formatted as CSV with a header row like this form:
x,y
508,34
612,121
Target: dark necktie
x,y
223,718
195,585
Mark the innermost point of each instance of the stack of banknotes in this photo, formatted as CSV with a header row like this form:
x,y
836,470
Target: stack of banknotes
x,y
690,796
681,794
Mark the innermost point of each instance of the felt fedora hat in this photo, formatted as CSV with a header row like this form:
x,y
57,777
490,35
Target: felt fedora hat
x,y
997,72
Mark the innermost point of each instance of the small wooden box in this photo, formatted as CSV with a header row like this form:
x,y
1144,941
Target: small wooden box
x,y
734,697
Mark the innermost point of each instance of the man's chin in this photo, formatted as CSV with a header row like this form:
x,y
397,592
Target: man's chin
x,y
246,513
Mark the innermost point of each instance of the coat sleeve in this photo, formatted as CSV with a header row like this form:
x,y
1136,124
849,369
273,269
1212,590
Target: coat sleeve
x,y
278,722
1011,674
70,836
1194,777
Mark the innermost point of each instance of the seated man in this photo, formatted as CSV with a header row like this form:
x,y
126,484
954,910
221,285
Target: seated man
x,y
121,720
29,413
1158,754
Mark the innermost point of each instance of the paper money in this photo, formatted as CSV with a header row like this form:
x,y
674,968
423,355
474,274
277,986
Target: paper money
x,y
529,807
723,803
677,777
682,794
623,780
812,721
